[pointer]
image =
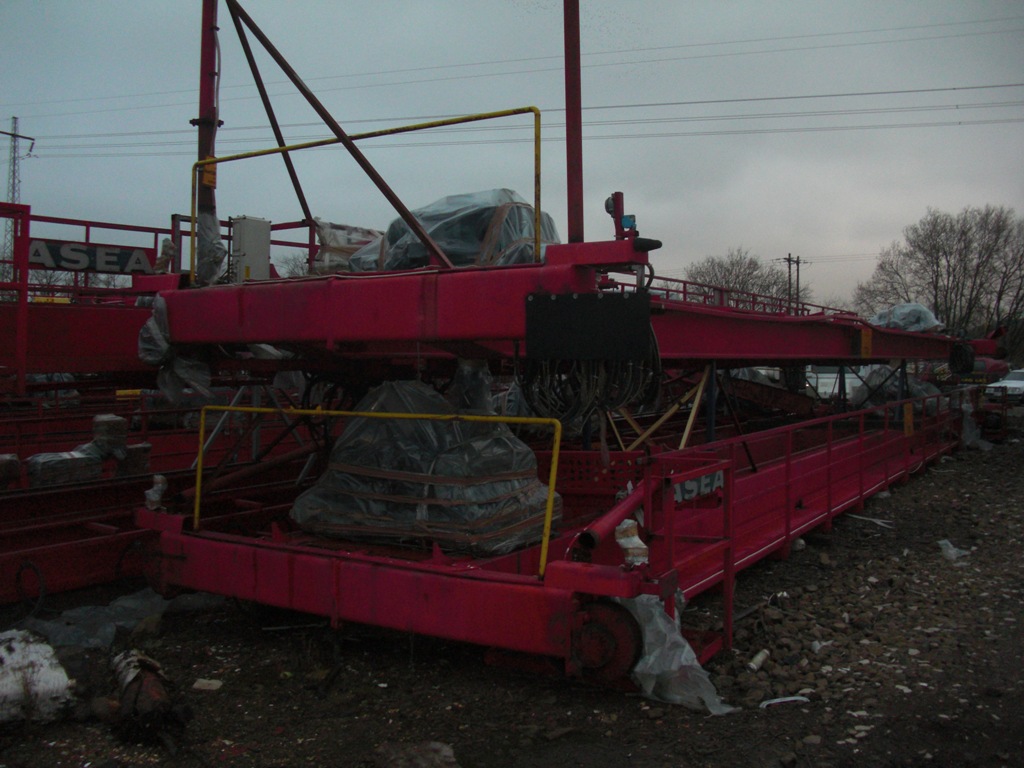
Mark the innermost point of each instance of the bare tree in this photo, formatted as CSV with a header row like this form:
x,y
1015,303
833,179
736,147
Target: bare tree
x,y
741,271
295,264
836,301
1008,291
889,284
968,269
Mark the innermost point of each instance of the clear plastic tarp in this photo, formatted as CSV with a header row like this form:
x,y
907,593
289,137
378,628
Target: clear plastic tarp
x,y
63,397
177,373
490,228
881,384
211,261
468,486
81,465
908,317
669,670
337,244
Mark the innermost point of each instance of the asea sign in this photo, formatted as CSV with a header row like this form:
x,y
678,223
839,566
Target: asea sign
x,y
89,257
700,486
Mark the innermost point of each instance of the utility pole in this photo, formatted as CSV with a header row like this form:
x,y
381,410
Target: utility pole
x,y
790,261
789,282
13,187
798,280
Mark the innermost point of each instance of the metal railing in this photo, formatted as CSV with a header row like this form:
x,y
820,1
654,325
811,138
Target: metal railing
x,y
212,162
672,289
555,425
68,283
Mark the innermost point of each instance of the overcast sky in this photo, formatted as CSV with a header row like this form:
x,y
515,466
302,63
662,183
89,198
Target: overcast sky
x,y
811,128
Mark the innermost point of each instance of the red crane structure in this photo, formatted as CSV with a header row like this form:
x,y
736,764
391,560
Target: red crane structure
x,y
636,420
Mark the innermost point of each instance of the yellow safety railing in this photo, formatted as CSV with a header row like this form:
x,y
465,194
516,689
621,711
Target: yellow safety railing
x,y
199,166
555,424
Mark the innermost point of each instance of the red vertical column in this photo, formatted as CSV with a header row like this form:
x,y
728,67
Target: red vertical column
x,y
573,121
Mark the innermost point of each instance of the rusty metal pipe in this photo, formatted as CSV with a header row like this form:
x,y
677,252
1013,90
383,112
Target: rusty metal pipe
x,y
206,122
604,526
413,223
278,136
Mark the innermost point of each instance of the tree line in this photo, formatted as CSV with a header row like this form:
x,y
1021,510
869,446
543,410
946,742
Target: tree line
x,y
967,268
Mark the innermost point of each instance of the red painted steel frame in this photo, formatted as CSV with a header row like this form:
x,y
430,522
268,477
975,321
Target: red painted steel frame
x,y
59,537
55,539
487,306
98,332
498,602
70,338
573,121
806,474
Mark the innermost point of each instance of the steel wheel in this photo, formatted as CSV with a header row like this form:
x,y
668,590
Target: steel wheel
x,y
609,643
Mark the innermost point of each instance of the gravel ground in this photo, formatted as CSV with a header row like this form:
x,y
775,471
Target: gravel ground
x,y
905,658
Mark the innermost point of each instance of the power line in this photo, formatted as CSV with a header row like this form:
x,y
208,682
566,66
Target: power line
x,y
120,134
241,141
424,68
850,94
435,80
52,140
600,137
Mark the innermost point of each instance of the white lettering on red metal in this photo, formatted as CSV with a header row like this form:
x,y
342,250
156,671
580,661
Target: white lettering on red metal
x,y
89,257
107,260
699,486
39,256
74,256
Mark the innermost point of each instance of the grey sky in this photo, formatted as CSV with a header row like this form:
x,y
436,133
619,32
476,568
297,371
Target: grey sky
x,y
684,113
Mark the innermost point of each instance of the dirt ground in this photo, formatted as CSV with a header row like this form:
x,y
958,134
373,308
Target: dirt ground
x,y
905,658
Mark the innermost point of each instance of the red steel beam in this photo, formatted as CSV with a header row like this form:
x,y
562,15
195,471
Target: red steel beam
x,y
73,338
488,307
517,613
498,602
272,117
436,254
208,118
573,120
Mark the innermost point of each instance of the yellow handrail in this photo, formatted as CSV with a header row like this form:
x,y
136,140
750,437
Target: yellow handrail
x,y
200,164
555,424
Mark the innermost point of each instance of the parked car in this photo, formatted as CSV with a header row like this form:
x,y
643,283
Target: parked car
x,y
1012,387
986,371
825,380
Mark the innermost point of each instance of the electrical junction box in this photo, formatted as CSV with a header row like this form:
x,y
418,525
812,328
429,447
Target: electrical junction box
x,y
250,248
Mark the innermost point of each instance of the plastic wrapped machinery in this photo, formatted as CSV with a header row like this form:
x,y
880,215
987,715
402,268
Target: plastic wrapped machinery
x,y
490,228
469,486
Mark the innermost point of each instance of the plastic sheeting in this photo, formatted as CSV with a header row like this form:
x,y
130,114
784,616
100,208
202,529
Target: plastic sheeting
x,y
490,228
78,466
755,375
33,684
468,486
168,258
881,384
669,670
337,244
908,317
211,263
63,397
85,462
177,373
96,626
